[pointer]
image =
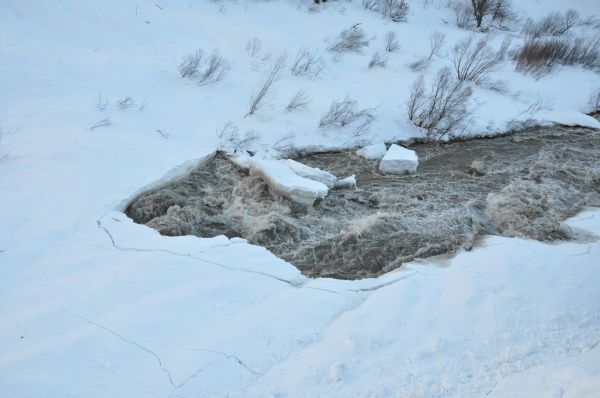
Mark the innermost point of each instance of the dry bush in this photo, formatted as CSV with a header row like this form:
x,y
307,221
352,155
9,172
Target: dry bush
x,y
190,64
125,103
350,40
391,42
372,5
436,43
298,102
482,14
540,55
396,10
253,47
258,98
594,100
553,24
231,141
101,123
463,14
214,70
307,63
205,71
444,109
102,103
378,60
474,60
346,114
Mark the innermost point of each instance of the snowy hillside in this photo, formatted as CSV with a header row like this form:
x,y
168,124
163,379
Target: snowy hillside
x,y
93,110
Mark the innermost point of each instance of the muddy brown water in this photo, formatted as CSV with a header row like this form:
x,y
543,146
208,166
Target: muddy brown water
x,y
519,185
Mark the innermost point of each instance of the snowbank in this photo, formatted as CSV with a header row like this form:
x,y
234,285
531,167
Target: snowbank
x,y
283,180
372,152
312,173
568,118
576,377
399,160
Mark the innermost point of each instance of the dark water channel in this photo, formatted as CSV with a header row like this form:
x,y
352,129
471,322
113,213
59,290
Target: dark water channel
x,y
519,185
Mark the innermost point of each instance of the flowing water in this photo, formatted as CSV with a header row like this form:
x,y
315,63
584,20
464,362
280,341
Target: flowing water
x,y
519,185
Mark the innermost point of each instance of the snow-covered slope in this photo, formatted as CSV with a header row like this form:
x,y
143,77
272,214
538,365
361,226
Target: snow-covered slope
x,y
94,305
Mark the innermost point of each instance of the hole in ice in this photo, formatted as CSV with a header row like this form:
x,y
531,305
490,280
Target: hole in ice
x,y
519,185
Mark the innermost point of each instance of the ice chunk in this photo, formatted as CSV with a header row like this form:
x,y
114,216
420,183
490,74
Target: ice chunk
x,y
346,183
312,173
372,152
399,160
281,179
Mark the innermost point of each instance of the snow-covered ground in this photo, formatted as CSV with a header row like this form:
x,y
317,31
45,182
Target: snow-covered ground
x,y
94,305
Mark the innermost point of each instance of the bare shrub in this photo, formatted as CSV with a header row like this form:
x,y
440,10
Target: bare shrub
x,y
214,69
253,47
3,154
482,14
501,12
350,40
436,43
539,104
553,24
444,109
205,71
102,103
298,102
100,123
285,144
391,42
474,60
481,8
372,5
378,60
125,103
594,100
307,63
396,10
231,141
261,94
463,14
540,55
346,113
190,64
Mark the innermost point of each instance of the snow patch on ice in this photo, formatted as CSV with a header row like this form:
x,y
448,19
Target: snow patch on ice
x,y
372,152
283,180
312,173
399,160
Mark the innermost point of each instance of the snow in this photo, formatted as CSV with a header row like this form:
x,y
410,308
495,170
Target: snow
x,y
372,152
95,305
574,377
282,179
312,173
399,160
